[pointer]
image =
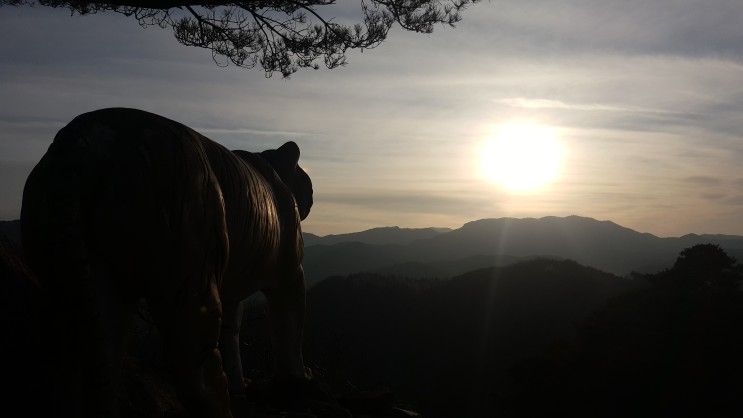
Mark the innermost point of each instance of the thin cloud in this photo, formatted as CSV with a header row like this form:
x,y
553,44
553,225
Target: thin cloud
x,y
408,201
527,103
27,121
712,196
735,200
250,131
703,180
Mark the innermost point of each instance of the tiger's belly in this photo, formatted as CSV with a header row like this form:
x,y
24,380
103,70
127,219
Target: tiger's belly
x,y
254,245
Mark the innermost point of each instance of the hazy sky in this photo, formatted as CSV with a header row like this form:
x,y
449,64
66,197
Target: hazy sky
x,y
646,97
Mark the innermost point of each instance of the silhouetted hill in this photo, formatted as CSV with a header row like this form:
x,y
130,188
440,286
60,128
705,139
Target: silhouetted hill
x,y
310,239
22,319
376,236
669,349
12,231
321,261
449,268
601,244
443,345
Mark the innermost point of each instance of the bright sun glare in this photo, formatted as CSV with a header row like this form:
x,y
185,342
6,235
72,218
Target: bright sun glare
x,y
521,157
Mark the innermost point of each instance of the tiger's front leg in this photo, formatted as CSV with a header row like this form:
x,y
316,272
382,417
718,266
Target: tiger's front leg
x,y
292,386
286,304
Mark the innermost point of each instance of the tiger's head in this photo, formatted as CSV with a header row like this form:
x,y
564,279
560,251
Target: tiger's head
x,y
285,161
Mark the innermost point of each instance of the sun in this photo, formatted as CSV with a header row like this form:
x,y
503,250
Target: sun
x,y
521,157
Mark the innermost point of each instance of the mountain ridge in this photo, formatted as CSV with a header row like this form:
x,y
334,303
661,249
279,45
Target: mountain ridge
x,y
378,236
605,245
347,236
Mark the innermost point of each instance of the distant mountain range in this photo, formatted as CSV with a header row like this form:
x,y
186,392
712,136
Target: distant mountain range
x,y
433,252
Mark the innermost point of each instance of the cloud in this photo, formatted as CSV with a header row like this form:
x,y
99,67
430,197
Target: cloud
x,y
408,201
713,196
29,121
665,27
703,180
557,104
249,131
735,200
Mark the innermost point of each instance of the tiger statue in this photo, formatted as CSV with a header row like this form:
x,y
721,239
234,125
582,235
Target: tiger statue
x,y
127,204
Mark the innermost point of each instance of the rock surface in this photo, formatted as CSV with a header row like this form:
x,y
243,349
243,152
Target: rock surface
x,y
146,390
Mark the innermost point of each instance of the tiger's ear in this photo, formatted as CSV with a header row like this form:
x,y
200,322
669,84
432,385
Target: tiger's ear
x,y
289,154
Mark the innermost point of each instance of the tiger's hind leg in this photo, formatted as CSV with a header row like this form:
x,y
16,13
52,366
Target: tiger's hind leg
x,y
189,324
190,249
107,325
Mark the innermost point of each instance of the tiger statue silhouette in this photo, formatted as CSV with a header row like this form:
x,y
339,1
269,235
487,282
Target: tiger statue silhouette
x,y
126,204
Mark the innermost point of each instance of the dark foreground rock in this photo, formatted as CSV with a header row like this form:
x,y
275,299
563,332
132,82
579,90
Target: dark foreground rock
x,y
147,393
146,389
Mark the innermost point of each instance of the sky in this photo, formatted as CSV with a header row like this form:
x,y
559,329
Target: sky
x,y
645,99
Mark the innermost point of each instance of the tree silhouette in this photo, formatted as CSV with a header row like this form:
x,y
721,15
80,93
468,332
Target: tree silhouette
x,y
277,35
703,266
670,348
